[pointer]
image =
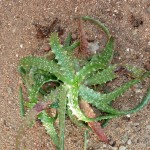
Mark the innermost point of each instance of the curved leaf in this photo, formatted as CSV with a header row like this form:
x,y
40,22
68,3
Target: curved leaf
x,y
33,92
43,64
73,103
67,41
99,61
136,71
61,55
62,111
98,23
101,76
48,123
72,46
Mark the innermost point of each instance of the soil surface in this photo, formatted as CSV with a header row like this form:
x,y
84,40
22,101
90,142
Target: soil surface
x,y
21,35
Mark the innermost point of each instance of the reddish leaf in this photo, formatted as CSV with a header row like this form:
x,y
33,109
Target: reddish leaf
x,y
44,31
96,126
83,49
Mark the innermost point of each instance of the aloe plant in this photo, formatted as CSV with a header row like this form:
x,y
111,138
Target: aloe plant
x,y
73,82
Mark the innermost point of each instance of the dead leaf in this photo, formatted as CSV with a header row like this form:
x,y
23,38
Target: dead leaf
x,y
95,126
44,31
83,49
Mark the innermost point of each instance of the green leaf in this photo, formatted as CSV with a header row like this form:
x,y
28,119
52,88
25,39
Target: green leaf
x,y
22,70
73,103
43,64
22,110
53,95
106,56
62,112
70,51
144,102
102,101
48,123
85,139
95,97
97,62
102,76
61,55
54,105
35,79
105,123
33,92
75,120
68,40
24,73
108,98
72,46
90,95
136,71
29,105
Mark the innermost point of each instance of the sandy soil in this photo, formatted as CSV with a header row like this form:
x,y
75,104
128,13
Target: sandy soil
x,y
129,22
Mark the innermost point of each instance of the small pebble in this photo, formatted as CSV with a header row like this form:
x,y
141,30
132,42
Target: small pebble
x,y
137,91
104,145
122,148
14,30
115,11
148,127
93,47
76,8
128,115
129,142
135,32
124,139
21,45
114,148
